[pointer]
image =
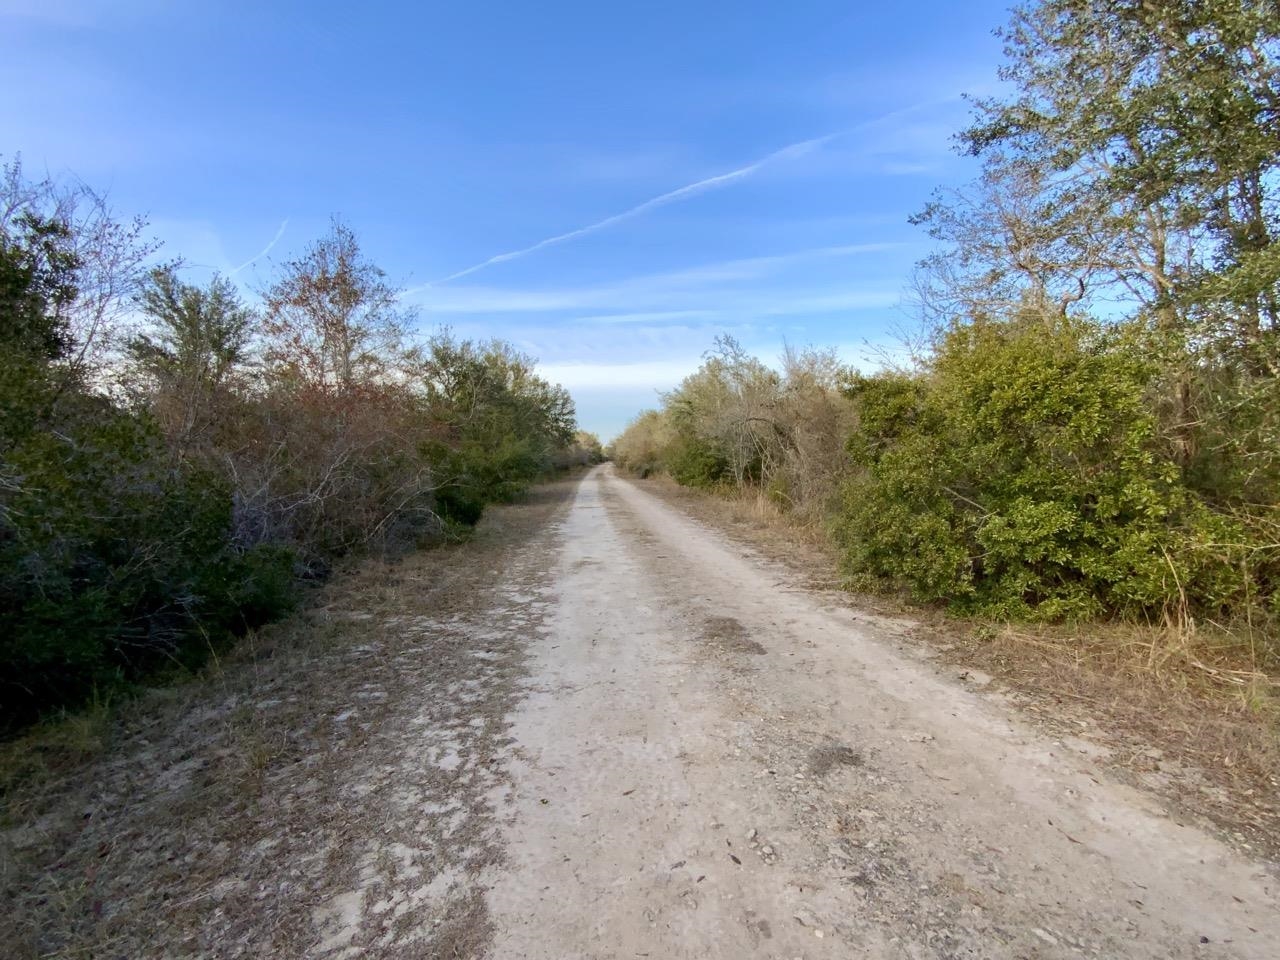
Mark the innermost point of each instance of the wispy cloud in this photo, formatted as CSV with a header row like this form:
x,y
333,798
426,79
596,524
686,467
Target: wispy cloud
x,y
788,152
747,268
57,13
663,374
265,250
638,295
657,374
646,316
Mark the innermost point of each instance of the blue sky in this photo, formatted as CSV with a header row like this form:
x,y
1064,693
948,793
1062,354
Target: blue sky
x,y
608,186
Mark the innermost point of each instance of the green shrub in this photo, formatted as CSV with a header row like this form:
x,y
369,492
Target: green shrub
x,y
257,587
1022,474
696,463
458,504
141,529
114,560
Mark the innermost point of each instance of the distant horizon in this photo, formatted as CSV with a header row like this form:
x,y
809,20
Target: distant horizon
x,y
608,199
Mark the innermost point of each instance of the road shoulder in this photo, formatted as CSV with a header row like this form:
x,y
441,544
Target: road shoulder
x,y
331,789
1206,752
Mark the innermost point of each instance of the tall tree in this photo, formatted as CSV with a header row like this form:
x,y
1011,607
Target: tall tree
x,y
332,320
198,338
71,229
1155,125
1133,162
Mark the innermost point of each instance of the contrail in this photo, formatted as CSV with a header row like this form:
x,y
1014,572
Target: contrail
x,y
786,153
265,250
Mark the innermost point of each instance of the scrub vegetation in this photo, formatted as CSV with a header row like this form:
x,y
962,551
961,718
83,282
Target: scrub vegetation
x,y
175,463
1089,427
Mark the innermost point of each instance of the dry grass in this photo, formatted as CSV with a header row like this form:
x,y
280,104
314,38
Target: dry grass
x,y
286,796
1190,712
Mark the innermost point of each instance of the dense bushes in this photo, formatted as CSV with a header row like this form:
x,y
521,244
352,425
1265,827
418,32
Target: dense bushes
x,y
738,423
1023,474
111,556
642,447
1023,470
1093,426
164,490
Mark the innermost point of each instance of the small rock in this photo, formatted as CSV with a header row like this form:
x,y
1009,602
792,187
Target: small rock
x,y
766,850
751,834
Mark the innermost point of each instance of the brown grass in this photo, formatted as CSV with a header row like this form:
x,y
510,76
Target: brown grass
x,y
216,817
1191,712
1185,712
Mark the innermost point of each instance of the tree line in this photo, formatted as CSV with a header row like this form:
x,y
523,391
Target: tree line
x,y
1090,425
175,462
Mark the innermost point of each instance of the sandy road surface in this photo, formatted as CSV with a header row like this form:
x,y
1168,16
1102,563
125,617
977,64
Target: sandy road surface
x,y
710,762
598,730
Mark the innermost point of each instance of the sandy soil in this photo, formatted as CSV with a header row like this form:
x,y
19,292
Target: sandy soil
x,y
332,789
602,730
1161,717
714,762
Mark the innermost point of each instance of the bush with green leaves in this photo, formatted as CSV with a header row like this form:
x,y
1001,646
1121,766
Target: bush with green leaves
x,y
154,507
1022,473
496,426
114,563
115,559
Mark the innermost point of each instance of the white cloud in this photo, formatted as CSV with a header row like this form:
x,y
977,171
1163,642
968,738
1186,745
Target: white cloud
x,y
672,196
687,292
838,301
652,316
657,374
265,250
197,241
666,374
898,127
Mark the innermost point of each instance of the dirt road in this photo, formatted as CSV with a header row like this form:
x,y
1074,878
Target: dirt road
x,y
600,730
712,763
